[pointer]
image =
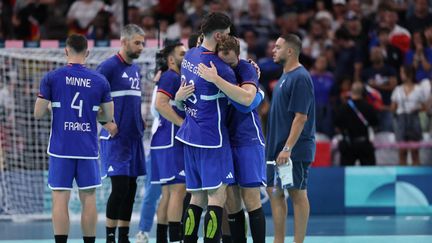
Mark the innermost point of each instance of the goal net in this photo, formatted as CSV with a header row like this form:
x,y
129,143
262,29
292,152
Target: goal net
x,y
24,140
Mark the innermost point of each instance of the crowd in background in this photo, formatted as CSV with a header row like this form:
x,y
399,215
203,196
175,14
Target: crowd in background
x,y
344,41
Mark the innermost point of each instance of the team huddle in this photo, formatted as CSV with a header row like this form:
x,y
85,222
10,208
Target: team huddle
x,y
208,151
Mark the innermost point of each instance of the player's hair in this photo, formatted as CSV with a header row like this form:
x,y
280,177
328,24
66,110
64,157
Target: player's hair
x,y
294,42
162,56
193,39
130,30
215,21
77,43
169,49
229,43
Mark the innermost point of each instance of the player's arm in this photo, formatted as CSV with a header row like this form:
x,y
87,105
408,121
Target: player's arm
x,y
165,109
106,116
106,113
259,97
41,108
240,95
296,129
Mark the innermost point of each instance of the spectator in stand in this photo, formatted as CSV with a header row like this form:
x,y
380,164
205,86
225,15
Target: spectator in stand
x,y
358,34
255,50
383,78
305,16
283,6
355,7
316,41
326,20
323,84
134,16
241,6
28,17
165,9
420,56
399,36
197,12
353,120
288,23
101,26
428,34
348,56
6,11
392,55
254,19
181,21
81,15
421,18
339,10
148,25
407,101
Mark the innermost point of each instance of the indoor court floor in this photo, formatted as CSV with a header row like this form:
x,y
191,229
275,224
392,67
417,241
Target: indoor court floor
x,y
322,229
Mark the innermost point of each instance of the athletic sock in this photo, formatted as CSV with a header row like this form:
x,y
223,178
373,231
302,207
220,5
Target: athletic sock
x,y
213,224
110,234
257,224
191,223
161,233
175,231
60,238
123,235
237,224
226,239
89,239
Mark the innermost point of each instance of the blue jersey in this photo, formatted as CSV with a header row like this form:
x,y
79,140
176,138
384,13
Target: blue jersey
x,y
245,128
294,92
206,109
76,93
163,138
125,82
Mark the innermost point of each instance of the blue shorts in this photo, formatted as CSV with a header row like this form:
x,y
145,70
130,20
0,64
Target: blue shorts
x,y
63,171
208,168
167,165
121,156
300,175
249,165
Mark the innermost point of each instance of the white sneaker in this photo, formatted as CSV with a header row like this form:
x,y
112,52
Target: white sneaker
x,y
142,237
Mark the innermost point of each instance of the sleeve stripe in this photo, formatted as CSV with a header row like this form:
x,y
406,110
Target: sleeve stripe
x,y
165,92
249,82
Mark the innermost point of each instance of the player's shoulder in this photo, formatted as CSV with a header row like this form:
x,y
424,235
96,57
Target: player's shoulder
x,y
96,76
219,63
300,73
109,62
169,75
244,65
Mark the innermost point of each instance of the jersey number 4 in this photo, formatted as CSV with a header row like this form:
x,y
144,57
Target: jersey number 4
x,y
78,107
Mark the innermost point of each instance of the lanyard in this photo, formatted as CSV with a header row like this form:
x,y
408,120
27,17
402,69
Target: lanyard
x,y
358,113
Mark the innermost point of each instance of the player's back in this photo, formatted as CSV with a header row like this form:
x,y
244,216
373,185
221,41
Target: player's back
x,y
125,82
76,93
245,128
206,109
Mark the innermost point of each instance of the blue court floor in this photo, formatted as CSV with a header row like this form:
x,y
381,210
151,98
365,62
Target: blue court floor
x,y
322,229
